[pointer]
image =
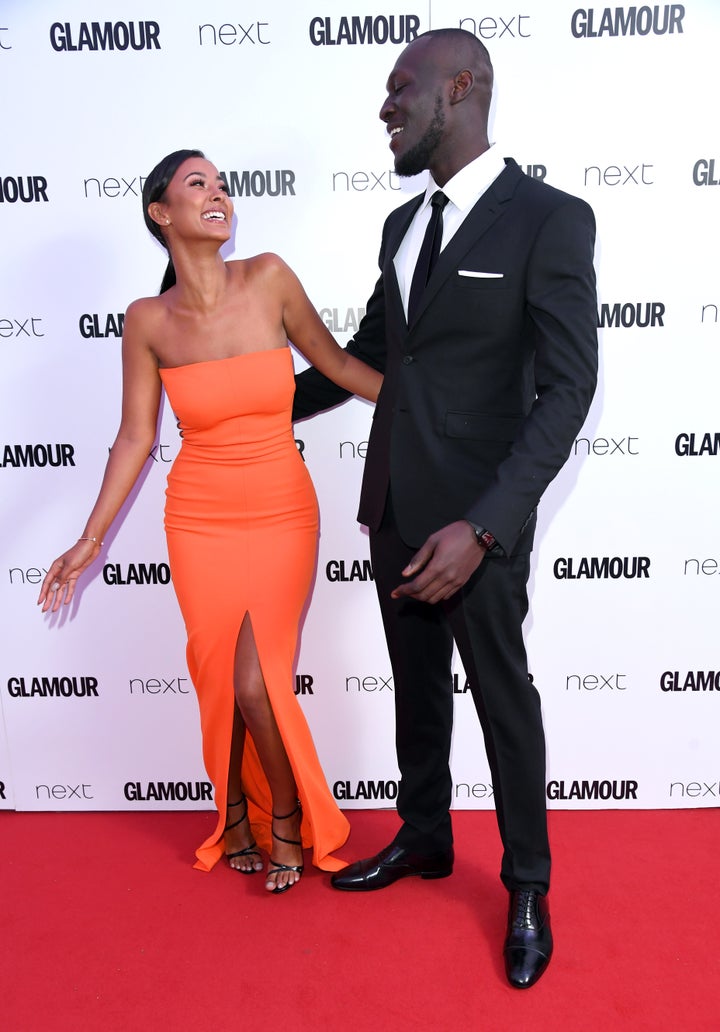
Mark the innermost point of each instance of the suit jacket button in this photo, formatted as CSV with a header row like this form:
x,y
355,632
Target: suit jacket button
x,y
408,359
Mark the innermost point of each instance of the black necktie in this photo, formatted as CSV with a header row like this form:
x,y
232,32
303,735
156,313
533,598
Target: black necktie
x,y
429,252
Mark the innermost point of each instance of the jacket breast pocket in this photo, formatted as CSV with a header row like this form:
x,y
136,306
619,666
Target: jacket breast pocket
x,y
484,280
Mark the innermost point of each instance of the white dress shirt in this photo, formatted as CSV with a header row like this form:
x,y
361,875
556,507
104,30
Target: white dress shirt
x,y
463,191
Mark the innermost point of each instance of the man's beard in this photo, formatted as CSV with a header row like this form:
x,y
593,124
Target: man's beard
x,y
418,158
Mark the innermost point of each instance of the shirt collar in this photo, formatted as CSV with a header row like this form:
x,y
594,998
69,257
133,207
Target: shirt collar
x,y
471,181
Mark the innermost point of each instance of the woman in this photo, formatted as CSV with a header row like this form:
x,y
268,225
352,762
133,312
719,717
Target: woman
x,y
240,515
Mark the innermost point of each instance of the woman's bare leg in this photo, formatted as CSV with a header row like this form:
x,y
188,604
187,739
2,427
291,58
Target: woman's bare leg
x,y
254,706
238,835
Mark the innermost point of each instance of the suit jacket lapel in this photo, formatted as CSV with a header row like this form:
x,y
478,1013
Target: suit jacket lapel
x,y
488,209
395,236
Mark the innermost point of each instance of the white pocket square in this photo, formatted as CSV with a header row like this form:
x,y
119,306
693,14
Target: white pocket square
x,y
480,275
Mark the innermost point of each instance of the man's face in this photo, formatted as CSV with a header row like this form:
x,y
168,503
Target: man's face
x,y
414,112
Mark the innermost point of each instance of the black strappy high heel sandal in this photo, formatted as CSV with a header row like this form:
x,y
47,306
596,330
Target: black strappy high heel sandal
x,y
276,867
250,850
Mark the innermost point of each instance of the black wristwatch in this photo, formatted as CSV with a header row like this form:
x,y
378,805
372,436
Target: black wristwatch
x,y
484,537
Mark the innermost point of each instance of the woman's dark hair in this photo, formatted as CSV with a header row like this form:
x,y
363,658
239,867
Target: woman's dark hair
x,y
154,190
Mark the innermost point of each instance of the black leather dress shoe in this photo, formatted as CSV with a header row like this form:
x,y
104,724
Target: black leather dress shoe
x,y
391,864
529,944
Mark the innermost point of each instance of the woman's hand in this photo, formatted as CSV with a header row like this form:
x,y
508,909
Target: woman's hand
x,y
64,573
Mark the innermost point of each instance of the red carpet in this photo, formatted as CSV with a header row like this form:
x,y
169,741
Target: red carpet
x,y
105,926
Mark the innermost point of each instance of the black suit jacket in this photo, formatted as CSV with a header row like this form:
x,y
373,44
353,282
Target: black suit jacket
x,y
486,390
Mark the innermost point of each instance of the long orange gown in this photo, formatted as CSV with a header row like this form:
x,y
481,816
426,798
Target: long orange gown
x,y
242,523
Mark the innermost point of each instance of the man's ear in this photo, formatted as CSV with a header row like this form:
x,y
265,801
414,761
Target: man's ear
x,y
462,86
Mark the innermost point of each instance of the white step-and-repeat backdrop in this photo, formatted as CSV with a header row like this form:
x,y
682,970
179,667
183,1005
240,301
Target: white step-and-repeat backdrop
x,y
616,104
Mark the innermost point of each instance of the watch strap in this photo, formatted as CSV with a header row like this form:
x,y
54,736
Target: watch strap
x,y
484,537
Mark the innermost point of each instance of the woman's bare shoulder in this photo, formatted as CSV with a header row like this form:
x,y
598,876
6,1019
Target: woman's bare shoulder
x,y
260,266
145,320
146,312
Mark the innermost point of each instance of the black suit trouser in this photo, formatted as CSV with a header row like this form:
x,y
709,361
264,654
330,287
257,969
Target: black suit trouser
x,y
485,619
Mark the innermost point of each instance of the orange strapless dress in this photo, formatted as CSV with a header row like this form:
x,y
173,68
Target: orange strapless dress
x,y
241,522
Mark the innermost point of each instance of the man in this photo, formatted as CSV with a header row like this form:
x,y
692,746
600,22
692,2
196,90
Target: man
x,y
490,363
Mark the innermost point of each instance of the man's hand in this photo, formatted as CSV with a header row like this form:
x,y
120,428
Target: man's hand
x,y
445,562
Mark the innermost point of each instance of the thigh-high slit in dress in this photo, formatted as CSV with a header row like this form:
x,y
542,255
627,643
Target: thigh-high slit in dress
x,y
242,523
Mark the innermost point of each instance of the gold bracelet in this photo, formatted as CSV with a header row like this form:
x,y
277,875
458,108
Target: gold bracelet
x,y
100,543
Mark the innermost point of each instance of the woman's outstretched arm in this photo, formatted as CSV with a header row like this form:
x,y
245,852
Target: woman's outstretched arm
x,y
135,437
311,337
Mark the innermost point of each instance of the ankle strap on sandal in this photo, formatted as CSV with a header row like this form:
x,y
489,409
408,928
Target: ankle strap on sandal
x,y
284,817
